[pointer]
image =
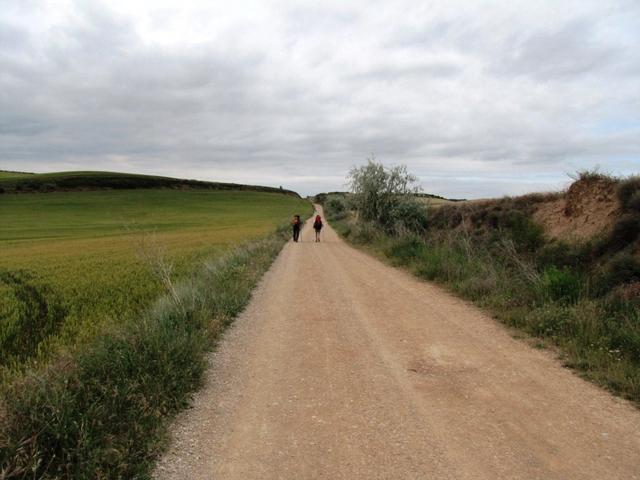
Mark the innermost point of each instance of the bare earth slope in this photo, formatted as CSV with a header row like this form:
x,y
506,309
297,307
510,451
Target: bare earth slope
x,y
345,368
588,208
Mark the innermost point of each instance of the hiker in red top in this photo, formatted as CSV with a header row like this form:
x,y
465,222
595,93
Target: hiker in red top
x,y
317,226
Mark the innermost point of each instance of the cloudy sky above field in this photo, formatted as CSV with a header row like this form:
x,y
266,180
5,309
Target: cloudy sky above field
x,y
478,98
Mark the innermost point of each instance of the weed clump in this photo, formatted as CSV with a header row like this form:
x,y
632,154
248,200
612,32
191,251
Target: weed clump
x,y
364,232
406,248
550,321
592,175
572,255
30,312
621,269
624,232
335,207
409,216
561,285
629,194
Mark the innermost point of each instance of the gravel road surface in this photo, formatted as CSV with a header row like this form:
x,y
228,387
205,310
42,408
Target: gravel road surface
x,y
342,367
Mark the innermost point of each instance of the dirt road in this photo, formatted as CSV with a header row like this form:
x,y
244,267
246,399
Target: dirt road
x,y
345,368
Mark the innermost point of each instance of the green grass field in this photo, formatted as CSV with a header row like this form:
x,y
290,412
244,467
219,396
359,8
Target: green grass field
x,y
74,263
5,175
435,202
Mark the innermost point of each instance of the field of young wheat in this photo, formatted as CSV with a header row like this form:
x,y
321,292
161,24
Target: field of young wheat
x,y
73,264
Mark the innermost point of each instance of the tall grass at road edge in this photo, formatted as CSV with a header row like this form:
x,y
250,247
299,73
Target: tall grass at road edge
x,y
102,412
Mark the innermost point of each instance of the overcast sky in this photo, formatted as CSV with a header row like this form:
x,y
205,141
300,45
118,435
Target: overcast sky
x,y
478,99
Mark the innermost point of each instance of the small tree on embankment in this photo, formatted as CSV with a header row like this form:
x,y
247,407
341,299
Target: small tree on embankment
x,y
386,197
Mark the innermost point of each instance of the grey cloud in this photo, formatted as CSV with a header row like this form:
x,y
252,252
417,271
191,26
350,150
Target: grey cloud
x,y
392,72
99,35
423,36
557,53
459,97
13,40
303,19
21,125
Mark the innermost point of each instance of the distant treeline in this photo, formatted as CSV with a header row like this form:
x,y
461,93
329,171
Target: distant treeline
x,y
321,197
14,172
70,181
431,195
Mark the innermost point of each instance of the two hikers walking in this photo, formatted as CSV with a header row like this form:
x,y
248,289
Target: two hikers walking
x,y
296,223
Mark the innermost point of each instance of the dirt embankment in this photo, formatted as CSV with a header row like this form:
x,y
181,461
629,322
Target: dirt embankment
x,y
589,207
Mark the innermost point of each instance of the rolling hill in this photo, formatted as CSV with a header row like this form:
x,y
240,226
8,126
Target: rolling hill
x,y
19,182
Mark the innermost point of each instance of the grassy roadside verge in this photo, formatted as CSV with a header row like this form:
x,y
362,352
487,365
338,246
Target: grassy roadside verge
x,y
102,412
580,297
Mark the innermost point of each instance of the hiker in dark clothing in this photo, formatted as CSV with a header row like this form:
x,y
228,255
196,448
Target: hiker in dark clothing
x,y
317,226
297,225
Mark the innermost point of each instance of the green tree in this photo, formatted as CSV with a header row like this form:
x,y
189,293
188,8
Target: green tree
x,y
386,196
